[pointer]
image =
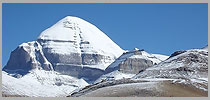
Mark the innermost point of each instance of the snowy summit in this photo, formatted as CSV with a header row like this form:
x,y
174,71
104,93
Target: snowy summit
x,y
77,35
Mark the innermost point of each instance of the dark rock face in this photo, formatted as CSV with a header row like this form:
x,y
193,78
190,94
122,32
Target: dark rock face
x,y
77,65
55,58
23,60
93,59
177,53
129,65
134,65
22,63
87,73
75,58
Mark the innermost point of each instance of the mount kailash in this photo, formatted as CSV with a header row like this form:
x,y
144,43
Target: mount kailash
x,y
73,56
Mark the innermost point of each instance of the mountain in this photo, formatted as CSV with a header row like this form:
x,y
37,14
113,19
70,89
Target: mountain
x,y
131,63
187,66
75,58
192,63
135,61
183,74
69,55
72,46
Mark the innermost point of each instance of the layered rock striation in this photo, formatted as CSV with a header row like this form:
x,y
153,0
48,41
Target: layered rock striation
x,y
72,46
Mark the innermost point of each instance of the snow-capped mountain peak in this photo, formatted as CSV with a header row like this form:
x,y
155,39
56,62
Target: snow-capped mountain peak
x,y
79,36
72,47
68,52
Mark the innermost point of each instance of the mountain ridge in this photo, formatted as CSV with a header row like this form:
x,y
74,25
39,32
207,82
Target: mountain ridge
x,y
74,55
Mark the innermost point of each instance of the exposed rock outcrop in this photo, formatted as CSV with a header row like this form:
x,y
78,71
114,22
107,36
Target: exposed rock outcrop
x,y
133,62
129,64
26,57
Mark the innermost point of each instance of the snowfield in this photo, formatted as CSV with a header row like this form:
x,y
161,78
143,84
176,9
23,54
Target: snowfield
x,y
40,83
115,75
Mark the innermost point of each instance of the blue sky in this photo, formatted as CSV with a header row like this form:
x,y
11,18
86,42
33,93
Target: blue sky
x,y
157,28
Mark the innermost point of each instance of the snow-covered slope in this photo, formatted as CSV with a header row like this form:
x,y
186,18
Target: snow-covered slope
x,y
78,48
72,34
189,66
40,83
115,75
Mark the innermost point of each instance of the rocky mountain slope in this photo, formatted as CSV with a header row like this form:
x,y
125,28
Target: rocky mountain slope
x,y
131,63
188,66
134,61
184,73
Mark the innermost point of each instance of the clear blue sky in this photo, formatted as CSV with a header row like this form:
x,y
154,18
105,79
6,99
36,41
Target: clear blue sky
x,y
157,28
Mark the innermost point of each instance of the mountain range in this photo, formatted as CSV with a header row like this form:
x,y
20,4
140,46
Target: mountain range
x,y
74,58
